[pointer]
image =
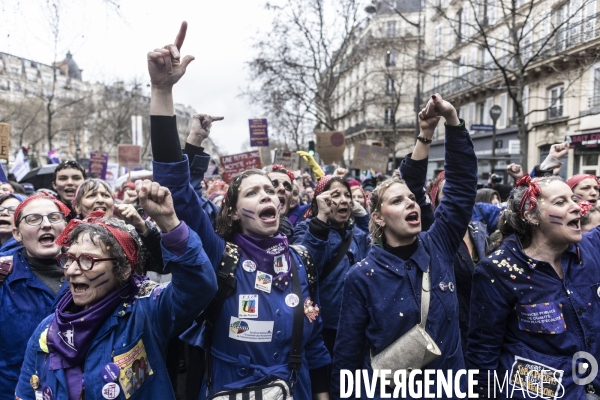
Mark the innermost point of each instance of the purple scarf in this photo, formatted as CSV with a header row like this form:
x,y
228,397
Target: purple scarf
x,y
271,255
70,335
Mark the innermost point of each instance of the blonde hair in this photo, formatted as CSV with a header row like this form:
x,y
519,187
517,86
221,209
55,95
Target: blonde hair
x,y
375,200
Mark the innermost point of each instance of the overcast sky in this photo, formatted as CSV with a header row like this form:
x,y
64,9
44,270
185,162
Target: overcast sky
x,y
108,47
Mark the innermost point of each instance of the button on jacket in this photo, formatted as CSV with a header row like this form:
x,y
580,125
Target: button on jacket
x,y
521,310
141,324
25,301
382,293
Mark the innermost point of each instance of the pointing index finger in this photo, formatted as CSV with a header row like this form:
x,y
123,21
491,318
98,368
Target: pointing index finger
x,y
181,35
217,118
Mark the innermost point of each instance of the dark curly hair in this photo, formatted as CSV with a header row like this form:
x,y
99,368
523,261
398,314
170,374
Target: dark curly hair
x,y
512,222
314,205
100,236
226,227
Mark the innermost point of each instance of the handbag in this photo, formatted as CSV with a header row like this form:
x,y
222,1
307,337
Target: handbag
x,y
415,348
278,389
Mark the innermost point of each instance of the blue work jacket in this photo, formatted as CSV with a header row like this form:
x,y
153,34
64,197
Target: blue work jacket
x,y
236,361
331,287
139,328
525,318
10,245
382,293
25,301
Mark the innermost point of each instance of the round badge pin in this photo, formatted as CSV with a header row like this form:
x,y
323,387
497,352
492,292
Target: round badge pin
x,y
110,372
292,300
111,391
249,266
598,292
47,393
34,381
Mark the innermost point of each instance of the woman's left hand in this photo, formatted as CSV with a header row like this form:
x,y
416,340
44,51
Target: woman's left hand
x,y
157,201
165,65
129,214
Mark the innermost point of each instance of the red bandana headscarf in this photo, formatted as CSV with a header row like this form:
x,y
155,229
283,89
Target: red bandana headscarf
x,y
435,188
124,237
61,206
531,193
282,169
574,181
586,206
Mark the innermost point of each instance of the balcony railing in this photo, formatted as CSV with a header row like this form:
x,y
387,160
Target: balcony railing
x,y
564,39
381,125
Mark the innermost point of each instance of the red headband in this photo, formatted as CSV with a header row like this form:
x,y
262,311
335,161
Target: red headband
x,y
96,218
574,181
531,193
586,206
281,167
61,206
435,187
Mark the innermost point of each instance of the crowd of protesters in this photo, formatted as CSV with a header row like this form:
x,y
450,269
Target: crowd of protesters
x,y
275,283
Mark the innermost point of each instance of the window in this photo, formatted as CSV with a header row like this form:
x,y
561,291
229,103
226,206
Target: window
x,y
391,29
596,96
390,58
462,65
526,33
436,79
437,41
562,15
491,12
555,102
390,85
487,119
389,116
589,25
480,112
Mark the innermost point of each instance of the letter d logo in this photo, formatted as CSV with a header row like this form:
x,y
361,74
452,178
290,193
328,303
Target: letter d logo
x,y
583,367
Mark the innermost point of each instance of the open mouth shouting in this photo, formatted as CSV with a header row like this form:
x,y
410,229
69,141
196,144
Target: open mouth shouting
x,y
47,240
281,201
4,223
79,287
268,215
413,218
574,224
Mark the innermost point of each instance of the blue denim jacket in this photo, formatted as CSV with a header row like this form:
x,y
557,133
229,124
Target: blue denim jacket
x,y
382,294
525,316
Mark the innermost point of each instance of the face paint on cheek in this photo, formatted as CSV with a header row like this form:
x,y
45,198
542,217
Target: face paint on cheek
x,y
578,195
247,216
556,223
555,216
102,283
248,211
93,279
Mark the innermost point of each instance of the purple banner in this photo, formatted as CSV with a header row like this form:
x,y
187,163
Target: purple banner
x,y
98,164
259,136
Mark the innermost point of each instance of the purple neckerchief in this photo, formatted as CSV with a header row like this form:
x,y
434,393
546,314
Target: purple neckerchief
x,y
70,336
271,255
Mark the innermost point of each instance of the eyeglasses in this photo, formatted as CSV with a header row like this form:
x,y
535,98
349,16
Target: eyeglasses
x,y
84,261
10,210
36,219
286,185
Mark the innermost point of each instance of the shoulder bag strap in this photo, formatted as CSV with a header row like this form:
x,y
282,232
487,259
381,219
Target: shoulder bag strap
x,y
295,362
309,265
425,297
342,250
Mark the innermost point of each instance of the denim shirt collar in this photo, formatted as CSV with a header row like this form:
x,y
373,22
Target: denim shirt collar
x,y
389,261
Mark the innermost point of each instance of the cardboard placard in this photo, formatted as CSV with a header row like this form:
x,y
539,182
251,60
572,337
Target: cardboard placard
x,y
129,155
4,140
331,146
98,164
235,164
289,159
370,157
259,135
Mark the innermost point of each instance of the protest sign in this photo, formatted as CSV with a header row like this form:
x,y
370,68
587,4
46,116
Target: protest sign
x,y
289,159
112,173
98,164
129,155
259,136
331,146
4,140
370,157
235,164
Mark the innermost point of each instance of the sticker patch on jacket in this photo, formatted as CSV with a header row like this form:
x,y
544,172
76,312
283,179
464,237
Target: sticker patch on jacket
x,y
541,318
248,307
145,289
536,379
135,368
250,331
